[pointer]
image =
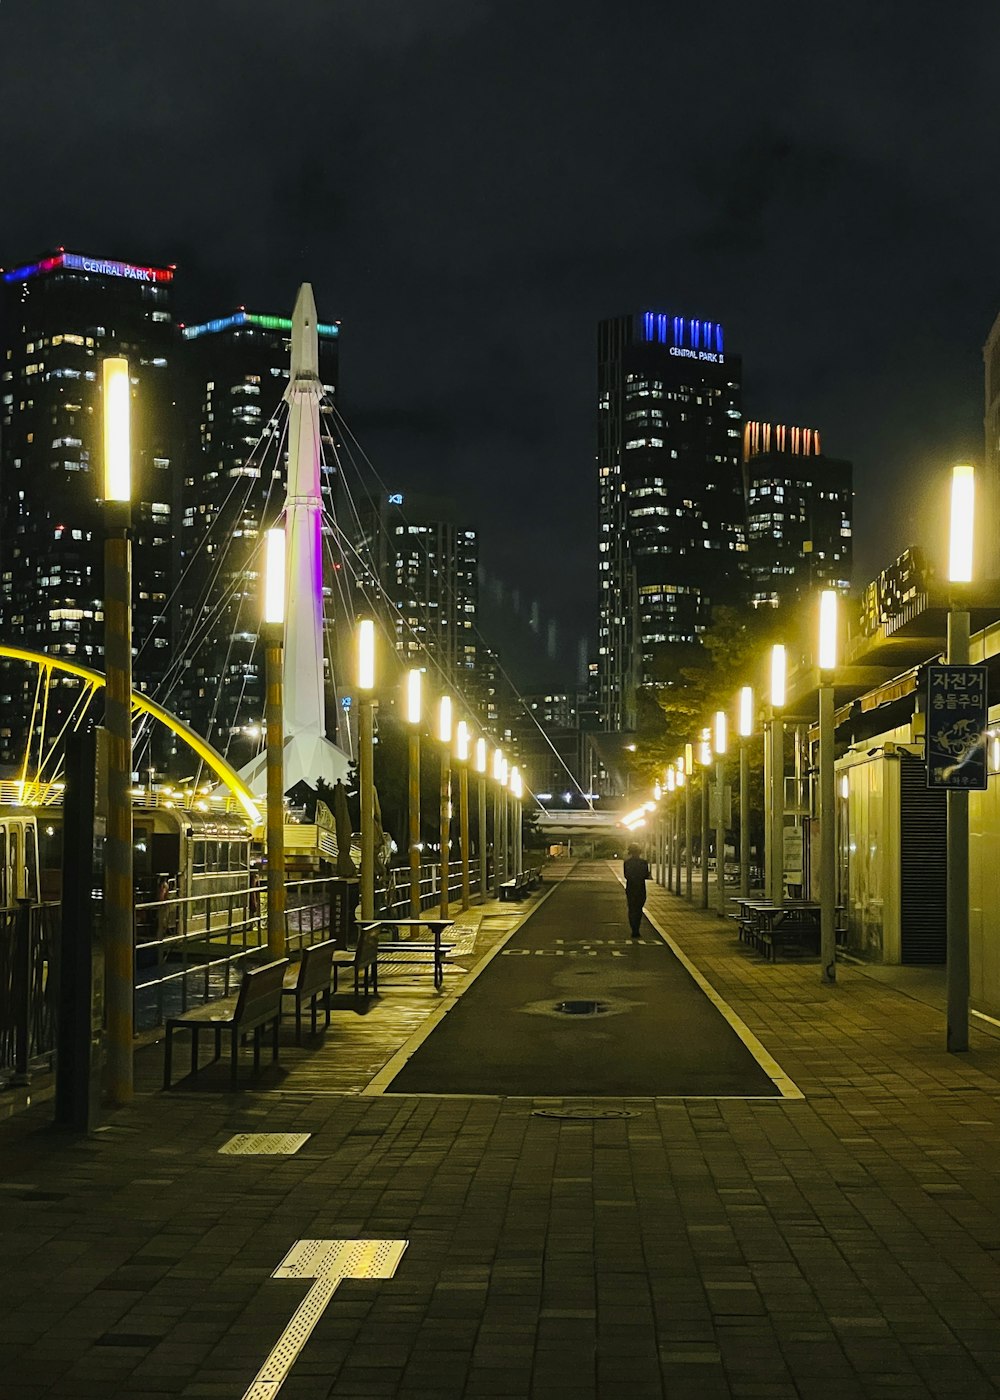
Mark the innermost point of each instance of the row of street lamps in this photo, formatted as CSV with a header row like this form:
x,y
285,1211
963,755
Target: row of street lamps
x,y
712,743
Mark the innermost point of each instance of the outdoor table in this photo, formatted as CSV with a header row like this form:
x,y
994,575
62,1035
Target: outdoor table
x,y
437,928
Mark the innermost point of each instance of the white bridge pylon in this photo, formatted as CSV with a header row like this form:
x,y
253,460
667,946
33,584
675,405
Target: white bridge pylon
x,y
308,753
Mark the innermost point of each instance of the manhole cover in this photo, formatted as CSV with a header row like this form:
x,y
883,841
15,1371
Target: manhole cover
x,y
585,1114
583,1008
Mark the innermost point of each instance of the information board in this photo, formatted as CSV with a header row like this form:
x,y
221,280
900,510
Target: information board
x,y
956,727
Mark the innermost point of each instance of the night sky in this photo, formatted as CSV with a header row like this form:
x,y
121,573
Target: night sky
x,y
470,186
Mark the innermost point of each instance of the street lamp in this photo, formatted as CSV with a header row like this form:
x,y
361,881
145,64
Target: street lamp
x,y
480,766
444,822
774,781
366,765
414,709
499,824
462,757
517,792
688,762
274,722
963,497
681,784
119,897
720,745
705,760
827,795
745,729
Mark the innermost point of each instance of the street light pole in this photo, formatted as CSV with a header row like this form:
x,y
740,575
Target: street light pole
x,y
517,792
273,632
720,816
777,766
963,485
827,795
414,687
706,759
681,782
462,755
688,827
444,735
746,730
119,897
481,828
498,823
366,765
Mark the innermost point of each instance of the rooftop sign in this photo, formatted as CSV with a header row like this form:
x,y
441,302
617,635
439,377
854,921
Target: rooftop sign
x,y
685,337
248,318
80,262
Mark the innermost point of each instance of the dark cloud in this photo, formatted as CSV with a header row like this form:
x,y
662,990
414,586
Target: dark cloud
x,y
470,185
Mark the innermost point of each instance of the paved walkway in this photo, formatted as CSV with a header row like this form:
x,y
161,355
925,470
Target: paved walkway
x,y
846,1244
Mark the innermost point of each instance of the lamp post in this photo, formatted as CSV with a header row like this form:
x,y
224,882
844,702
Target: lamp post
x,y
462,757
499,825
720,745
688,828
827,796
745,731
705,759
414,707
681,782
480,765
274,722
517,792
776,766
119,897
659,834
963,489
366,764
444,735
670,829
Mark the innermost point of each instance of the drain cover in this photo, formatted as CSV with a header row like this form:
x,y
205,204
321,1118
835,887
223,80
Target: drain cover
x,y
264,1144
583,1008
585,1114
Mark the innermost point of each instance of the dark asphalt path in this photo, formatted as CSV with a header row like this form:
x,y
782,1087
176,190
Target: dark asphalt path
x,y
656,1033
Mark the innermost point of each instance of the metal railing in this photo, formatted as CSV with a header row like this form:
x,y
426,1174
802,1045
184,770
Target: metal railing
x,y
28,939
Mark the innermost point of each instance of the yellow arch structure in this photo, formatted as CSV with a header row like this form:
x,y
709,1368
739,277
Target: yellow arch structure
x,y
227,775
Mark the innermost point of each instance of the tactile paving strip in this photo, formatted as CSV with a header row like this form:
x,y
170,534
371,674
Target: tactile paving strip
x,y
264,1144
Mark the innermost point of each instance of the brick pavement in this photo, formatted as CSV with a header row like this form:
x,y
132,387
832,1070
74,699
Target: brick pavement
x,y
842,1245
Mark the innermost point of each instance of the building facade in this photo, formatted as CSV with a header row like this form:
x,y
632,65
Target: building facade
x,y
235,374
672,524
62,315
800,514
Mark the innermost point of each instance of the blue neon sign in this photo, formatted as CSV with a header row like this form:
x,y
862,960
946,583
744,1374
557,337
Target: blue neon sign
x,y
685,336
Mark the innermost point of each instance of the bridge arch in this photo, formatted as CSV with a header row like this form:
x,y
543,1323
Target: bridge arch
x,y
226,774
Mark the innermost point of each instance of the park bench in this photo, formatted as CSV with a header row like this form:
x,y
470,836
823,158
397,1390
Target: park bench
x,y
256,1004
363,958
520,885
309,980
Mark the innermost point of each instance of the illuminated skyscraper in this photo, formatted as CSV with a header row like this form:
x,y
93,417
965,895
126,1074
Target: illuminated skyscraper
x,y
800,507
62,315
235,373
672,517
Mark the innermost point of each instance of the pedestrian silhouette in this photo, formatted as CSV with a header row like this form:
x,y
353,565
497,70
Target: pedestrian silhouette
x,y
636,871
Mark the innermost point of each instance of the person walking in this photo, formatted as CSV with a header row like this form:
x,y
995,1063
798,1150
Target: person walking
x,y
636,871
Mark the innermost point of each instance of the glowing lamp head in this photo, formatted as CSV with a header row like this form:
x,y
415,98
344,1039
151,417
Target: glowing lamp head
x,y
414,696
366,654
720,736
274,577
657,790
689,758
516,784
778,677
480,759
444,719
828,629
705,748
498,765
746,712
963,503
671,779
681,767
462,741
117,431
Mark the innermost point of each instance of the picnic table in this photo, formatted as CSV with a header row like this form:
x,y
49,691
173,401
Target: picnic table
x,y
412,950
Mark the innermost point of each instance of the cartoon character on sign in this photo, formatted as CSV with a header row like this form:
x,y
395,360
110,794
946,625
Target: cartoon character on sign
x,y
963,741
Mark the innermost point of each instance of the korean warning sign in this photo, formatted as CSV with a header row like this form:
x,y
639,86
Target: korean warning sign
x,y
956,726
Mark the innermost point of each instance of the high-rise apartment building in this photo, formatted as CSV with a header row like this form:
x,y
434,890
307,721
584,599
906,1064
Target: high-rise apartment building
x,y
672,516
235,371
419,568
800,510
62,315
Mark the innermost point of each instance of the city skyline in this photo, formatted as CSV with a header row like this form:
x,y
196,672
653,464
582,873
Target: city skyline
x,y
460,210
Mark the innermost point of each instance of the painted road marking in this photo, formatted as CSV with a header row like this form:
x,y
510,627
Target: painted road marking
x,y
326,1262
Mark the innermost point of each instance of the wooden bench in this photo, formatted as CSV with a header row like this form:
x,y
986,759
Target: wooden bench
x,y
310,980
363,957
257,1004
